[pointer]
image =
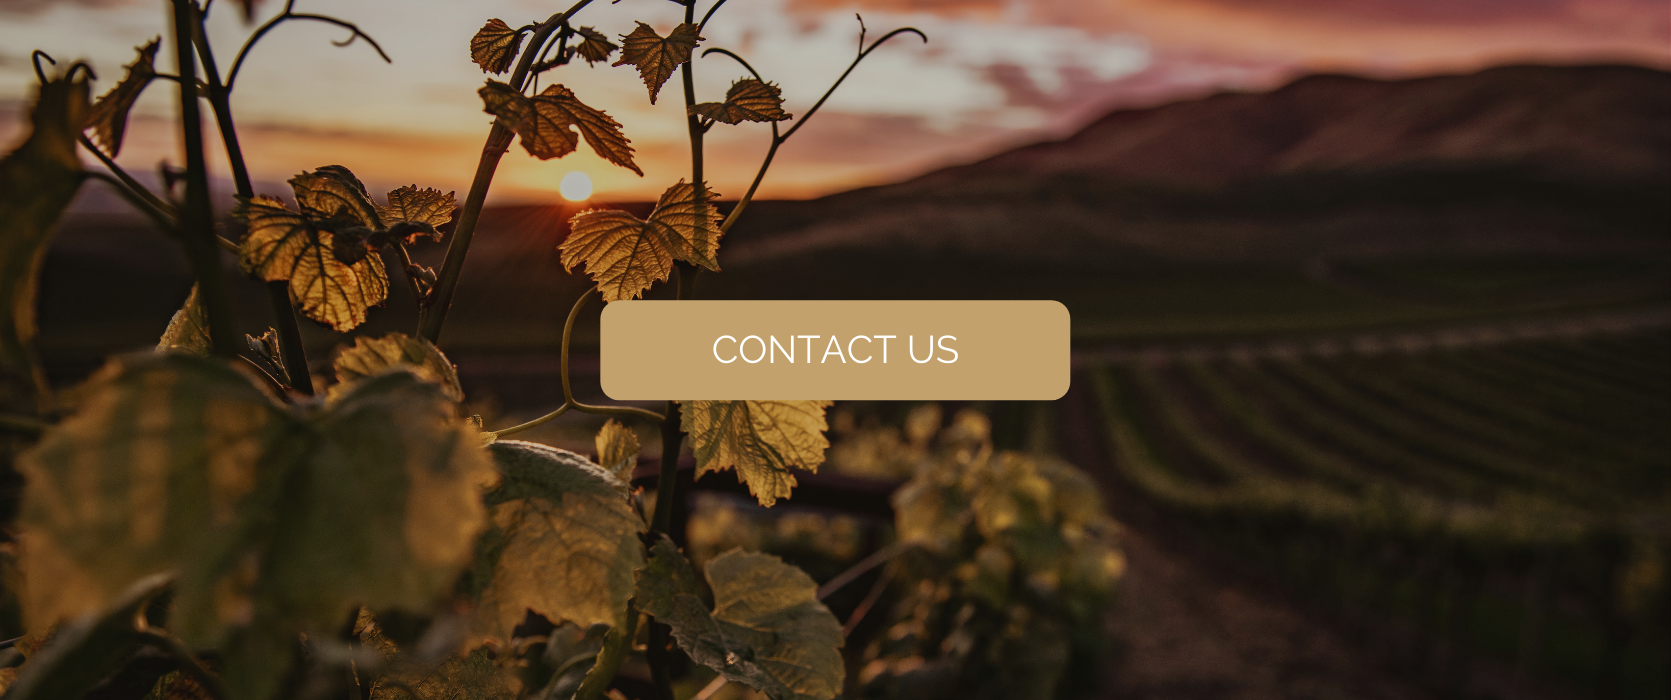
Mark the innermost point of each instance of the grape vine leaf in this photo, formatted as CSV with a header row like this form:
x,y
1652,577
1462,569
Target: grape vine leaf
x,y
37,181
564,542
332,192
767,629
188,331
747,100
595,46
656,56
617,450
543,122
109,117
285,245
423,211
372,356
276,522
625,254
494,46
765,441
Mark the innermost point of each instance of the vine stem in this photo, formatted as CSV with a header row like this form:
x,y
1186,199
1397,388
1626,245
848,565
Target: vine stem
x,y
292,353
568,393
779,139
196,219
498,140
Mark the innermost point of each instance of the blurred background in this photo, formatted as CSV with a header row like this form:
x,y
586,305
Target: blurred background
x,y
1371,298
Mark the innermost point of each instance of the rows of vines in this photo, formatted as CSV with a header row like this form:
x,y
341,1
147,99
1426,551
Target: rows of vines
x,y
1510,501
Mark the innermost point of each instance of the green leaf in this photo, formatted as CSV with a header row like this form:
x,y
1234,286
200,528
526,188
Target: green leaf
x,y
285,245
625,254
544,121
109,116
151,472
657,56
277,521
37,181
494,46
372,356
188,331
763,440
83,652
617,450
564,542
767,629
747,100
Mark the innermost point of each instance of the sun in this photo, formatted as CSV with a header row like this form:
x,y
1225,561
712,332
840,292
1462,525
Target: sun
x,y
576,187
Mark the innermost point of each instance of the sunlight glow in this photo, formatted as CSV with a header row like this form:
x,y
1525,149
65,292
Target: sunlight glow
x,y
576,187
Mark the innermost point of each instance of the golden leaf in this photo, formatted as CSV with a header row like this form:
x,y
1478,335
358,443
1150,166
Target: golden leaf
x,y
109,116
332,192
427,209
747,100
494,46
617,450
595,47
372,356
564,542
765,441
625,254
657,56
543,122
285,245
188,331
767,629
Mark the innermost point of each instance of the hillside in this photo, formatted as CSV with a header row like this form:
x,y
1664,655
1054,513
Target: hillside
x,y
1514,160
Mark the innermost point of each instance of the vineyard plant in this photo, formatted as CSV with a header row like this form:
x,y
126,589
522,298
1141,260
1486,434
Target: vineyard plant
x,y
213,520
1505,502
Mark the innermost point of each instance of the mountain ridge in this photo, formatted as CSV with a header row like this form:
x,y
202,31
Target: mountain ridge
x,y
1534,160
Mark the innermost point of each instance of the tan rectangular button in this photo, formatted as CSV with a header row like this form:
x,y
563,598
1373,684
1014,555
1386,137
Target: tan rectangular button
x,y
836,350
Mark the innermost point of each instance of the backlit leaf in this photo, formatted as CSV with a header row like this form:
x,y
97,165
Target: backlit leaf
x,y
657,56
332,192
544,123
425,209
564,542
372,356
625,254
617,450
188,331
765,441
767,629
37,181
494,46
285,245
747,100
595,47
277,521
109,116
474,676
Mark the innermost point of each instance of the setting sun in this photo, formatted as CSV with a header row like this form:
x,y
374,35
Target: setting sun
x,y
576,186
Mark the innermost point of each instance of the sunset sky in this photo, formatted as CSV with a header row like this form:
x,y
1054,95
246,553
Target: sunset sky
x,y
996,73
